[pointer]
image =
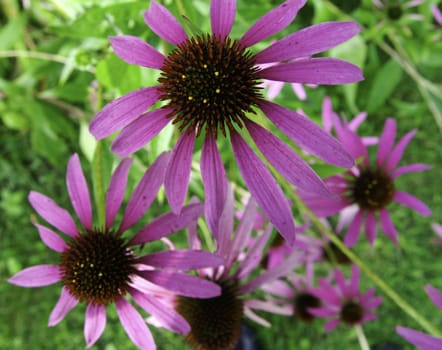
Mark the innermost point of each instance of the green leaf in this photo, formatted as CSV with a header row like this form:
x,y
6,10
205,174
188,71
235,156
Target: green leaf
x,y
385,82
12,32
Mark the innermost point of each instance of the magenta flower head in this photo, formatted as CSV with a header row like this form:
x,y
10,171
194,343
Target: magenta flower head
x,y
98,266
216,322
368,189
344,302
210,83
421,340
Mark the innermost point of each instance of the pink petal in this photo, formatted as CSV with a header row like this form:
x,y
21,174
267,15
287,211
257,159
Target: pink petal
x,y
65,303
37,276
167,317
264,188
398,151
269,306
354,280
309,41
51,239
327,114
168,223
412,202
79,192
411,168
323,207
52,213
272,22
134,325
222,15
215,183
287,162
181,260
357,121
328,71
145,192
322,312
226,223
387,225
164,24
274,89
421,340
307,134
434,295
332,324
370,227
386,141
186,285
134,50
177,177
354,230
436,14
352,142
94,323
115,192
122,111
140,132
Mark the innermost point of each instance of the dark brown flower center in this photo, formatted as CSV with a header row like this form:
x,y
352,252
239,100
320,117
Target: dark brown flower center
x,y
352,313
96,267
215,322
303,302
372,190
211,83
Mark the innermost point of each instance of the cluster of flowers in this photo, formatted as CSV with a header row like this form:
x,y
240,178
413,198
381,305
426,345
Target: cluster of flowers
x,y
210,87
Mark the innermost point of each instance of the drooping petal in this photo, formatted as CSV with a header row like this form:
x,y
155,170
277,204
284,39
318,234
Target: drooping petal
x,y
272,22
357,121
51,239
322,70
412,202
115,192
140,132
186,285
122,111
308,41
327,114
145,192
226,223
164,24
37,276
322,311
434,295
181,260
354,230
79,192
307,134
52,213
354,280
387,225
264,188
352,142
215,183
398,151
167,317
332,324
177,177
287,162
94,323
134,50
168,223
420,340
134,325
222,16
370,227
65,303
386,140
410,168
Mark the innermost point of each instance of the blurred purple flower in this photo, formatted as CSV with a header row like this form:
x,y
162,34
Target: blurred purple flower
x,y
210,83
98,267
397,9
369,187
437,228
437,14
344,302
421,340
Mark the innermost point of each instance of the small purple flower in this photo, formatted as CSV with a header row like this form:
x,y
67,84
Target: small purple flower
x,y
421,340
97,266
437,228
344,302
368,188
210,83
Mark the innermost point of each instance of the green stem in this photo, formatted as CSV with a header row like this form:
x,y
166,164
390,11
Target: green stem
x,y
98,185
362,338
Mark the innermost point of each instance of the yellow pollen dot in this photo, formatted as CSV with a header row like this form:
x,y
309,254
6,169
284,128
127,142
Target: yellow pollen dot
x,y
190,98
100,274
205,100
217,91
91,265
205,66
81,265
74,281
216,74
183,77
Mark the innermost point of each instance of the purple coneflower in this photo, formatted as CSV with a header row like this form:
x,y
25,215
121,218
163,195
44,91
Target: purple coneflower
x,y
344,302
421,340
368,188
210,83
97,265
216,322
